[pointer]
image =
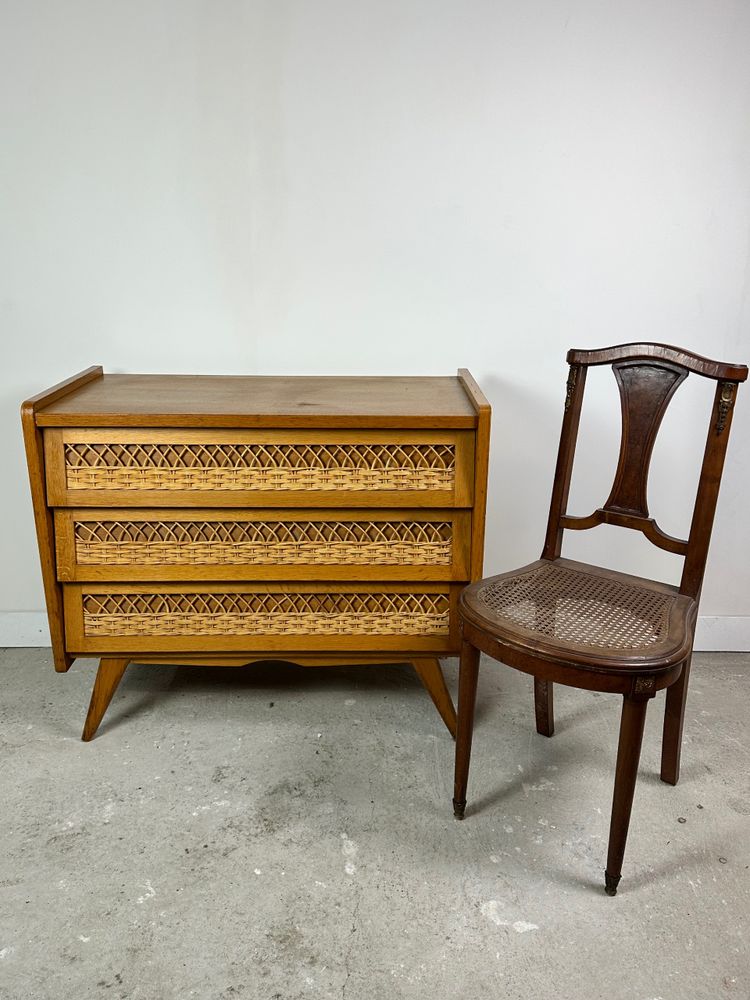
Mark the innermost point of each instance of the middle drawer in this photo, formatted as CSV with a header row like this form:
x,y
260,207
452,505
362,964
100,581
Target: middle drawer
x,y
395,544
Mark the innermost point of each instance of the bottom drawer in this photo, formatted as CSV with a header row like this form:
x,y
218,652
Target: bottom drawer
x,y
254,617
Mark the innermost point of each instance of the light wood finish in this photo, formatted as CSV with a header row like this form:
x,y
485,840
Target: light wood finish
x,y
285,617
586,626
226,520
481,469
430,673
328,659
217,544
111,671
438,469
108,676
257,401
45,532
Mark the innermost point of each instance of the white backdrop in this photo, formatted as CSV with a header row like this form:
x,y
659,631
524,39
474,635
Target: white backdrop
x,y
386,186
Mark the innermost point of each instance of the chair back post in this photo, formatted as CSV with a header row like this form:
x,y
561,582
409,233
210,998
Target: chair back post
x,y
708,488
565,455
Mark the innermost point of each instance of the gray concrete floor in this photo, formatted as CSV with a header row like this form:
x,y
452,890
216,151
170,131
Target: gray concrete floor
x,y
274,833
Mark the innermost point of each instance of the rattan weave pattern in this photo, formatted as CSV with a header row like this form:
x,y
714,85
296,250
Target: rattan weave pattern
x,y
265,613
231,542
581,608
164,466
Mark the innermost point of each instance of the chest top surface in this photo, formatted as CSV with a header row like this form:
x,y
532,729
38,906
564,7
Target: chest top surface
x,y
263,401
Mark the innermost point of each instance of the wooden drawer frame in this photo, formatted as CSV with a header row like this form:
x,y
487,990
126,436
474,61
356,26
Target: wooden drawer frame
x,y
60,494
80,643
69,569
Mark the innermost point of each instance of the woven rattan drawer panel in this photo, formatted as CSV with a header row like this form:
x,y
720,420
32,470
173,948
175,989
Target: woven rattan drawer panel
x,y
127,544
129,618
264,468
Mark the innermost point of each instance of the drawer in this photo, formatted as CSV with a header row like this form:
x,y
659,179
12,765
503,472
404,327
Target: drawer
x,y
224,468
173,544
253,617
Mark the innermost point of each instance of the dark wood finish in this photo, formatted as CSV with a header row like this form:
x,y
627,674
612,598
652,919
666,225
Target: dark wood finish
x,y
626,772
565,454
643,642
158,418
467,697
708,490
45,529
647,525
544,707
560,671
663,653
674,719
108,676
257,401
645,392
659,352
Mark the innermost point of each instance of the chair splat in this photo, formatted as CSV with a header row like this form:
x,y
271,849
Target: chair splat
x,y
645,392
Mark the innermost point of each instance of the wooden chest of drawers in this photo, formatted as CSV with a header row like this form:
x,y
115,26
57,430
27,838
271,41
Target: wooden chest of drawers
x,y
230,519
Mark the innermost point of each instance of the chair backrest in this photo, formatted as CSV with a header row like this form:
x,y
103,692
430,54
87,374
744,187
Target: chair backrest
x,y
647,376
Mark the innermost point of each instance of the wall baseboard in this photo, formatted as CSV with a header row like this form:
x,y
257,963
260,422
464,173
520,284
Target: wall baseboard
x,y
720,633
24,628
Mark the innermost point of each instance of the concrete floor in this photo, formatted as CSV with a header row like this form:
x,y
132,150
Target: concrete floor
x,y
277,833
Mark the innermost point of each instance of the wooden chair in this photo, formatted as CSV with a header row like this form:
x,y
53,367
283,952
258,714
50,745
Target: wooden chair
x,y
582,625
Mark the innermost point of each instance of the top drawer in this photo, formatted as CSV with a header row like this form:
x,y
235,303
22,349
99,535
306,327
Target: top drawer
x,y
225,468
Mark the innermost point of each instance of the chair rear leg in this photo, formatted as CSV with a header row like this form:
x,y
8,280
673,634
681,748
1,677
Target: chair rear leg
x,y
674,718
544,707
628,755
467,696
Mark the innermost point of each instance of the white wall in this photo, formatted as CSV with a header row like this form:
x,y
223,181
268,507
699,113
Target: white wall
x,y
386,186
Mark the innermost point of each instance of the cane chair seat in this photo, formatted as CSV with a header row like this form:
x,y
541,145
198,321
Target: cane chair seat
x,y
574,612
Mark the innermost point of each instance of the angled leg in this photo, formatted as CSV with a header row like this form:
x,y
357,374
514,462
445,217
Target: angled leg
x,y
674,717
544,707
467,696
108,676
628,755
431,675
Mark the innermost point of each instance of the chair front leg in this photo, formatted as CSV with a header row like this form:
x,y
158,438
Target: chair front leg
x,y
467,696
628,756
674,718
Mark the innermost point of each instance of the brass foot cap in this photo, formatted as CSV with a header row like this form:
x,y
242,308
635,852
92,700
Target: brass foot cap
x,y
610,883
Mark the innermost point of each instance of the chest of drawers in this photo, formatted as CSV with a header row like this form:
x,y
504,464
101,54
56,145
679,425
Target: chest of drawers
x,y
221,520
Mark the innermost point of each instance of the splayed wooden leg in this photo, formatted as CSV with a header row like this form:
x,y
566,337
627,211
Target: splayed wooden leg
x,y
430,673
108,676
